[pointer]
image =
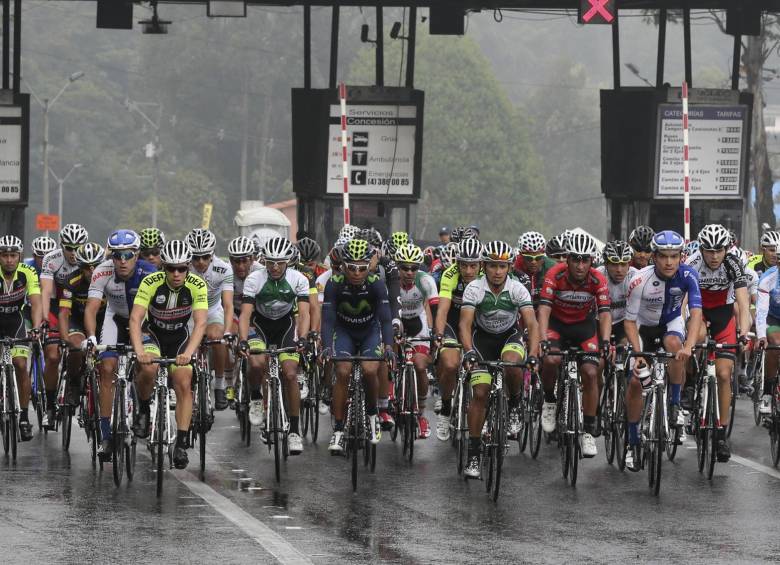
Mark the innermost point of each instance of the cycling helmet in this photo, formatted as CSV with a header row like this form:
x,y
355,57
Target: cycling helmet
x,y
396,241
336,255
581,244
309,249
691,247
176,252
11,243
449,254
279,249
73,234
201,242
372,236
714,236
667,240
769,239
349,231
152,238
43,245
123,239
617,252
531,242
90,254
497,252
296,258
357,250
455,235
471,232
430,253
409,253
258,245
641,238
556,246
241,246
733,239
469,251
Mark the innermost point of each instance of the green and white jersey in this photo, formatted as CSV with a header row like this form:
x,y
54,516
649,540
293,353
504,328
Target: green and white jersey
x,y
496,313
275,299
218,276
414,296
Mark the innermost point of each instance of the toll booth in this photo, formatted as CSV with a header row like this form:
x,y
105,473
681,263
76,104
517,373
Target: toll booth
x,y
384,158
642,157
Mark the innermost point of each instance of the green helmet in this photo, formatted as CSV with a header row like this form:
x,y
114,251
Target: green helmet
x,y
409,253
152,238
358,250
397,240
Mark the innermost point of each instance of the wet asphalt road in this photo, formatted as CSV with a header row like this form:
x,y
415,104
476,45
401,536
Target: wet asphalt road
x,y
56,507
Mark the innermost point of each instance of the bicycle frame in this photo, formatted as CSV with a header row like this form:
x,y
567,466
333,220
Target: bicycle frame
x,y
160,385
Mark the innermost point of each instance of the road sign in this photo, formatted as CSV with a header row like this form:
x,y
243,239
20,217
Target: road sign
x,y
597,12
47,222
207,209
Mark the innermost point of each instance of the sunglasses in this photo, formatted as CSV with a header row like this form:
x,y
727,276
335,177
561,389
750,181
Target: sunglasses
x,y
409,268
581,258
150,253
356,268
71,247
533,257
613,262
276,264
239,260
123,255
176,268
202,257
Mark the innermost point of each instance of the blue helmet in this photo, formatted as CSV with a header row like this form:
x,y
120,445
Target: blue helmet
x,y
667,240
124,239
691,247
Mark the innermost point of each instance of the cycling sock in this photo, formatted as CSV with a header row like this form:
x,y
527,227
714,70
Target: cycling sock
x,y
589,424
549,396
446,407
181,438
475,444
338,426
105,427
294,425
371,410
219,383
255,394
633,433
676,394
23,414
382,404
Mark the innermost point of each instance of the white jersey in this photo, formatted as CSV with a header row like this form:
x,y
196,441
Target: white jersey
x,y
238,287
56,268
414,297
218,277
618,294
496,314
275,299
321,281
119,294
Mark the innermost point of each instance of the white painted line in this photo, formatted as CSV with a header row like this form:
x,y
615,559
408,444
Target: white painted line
x,y
272,542
281,517
256,488
272,506
239,470
293,528
243,479
756,466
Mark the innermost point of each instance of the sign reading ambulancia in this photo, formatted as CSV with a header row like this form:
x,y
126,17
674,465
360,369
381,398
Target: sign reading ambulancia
x,y
10,153
381,149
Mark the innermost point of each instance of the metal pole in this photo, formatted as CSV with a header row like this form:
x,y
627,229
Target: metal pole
x,y
307,46
156,166
45,155
736,61
380,47
410,46
659,69
687,46
17,46
616,53
59,202
334,47
6,44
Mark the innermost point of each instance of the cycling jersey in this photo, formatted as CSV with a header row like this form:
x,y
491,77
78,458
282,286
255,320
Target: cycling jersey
x,y
534,282
74,297
238,288
655,301
167,309
757,264
573,302
30,262
415,295
717,285
119,294
496,313
356,308
275,299
56,268
311,276
13,295
768,303
618,293
219,278
452,288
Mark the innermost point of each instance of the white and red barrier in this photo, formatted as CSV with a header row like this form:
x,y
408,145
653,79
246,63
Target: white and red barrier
x,y
345,162
686,171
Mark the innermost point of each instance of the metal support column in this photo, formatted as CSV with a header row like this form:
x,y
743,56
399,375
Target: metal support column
x,y
687,46
735,63
380,47
616,53
410,47
6,44
17,46
307,46
659,68
334,47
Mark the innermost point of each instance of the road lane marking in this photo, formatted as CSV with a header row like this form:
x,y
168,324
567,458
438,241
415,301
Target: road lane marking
x,y
272,542
756,466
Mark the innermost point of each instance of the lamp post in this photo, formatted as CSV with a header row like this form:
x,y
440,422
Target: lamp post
x,y
152,149
61,182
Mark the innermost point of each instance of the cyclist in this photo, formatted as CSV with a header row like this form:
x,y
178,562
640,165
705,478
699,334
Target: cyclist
x,y
722,282
169,299
271,299
41,246
641,239
618,272
418,295
532,264
58,266
556,248
356,320
218,275
768,257
488,329
309,251
454,281
655,311
115,282
768,331
152,240
71,316
573,294
20,283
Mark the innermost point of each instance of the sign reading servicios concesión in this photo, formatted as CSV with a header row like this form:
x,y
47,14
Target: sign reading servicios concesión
x,y
10,153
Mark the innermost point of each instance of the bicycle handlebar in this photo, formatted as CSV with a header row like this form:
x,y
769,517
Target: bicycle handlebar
x,y
712,346
572,352
656,355
500,364
274,351
165,361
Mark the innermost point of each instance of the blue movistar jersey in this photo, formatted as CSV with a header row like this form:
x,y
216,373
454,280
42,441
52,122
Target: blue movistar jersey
x,y
356,307
656,301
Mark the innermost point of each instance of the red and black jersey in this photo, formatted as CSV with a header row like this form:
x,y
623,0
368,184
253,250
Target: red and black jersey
x,y
572,302
717,285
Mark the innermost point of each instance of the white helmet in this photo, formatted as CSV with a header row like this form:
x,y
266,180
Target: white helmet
x,y
11,243
73,234
201,242
531,242
279,249
449,253
176,252
769,239
469,251
349,231
581,244
714,236
90,254
241,246
498,252
43,245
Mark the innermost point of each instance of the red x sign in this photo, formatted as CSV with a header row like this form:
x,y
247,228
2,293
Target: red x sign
x,y
597,11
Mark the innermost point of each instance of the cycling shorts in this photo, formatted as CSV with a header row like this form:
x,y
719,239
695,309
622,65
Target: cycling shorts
x,y
723,328
650,334
115,330
581,334
167,345
12,325
216,314
450,335
417,328
280,333
618,332
490,347
364,343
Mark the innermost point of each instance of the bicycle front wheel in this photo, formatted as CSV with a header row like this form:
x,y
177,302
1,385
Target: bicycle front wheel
x,y
67,423
575,428
535,419
658,440
499,441
13,412
275,433
314,402
606,417
161,433
774,430
733,405
203,415
756,369
118,433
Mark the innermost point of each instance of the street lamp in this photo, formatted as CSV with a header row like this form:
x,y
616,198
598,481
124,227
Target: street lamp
x,y
46,104
61,181
151,149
